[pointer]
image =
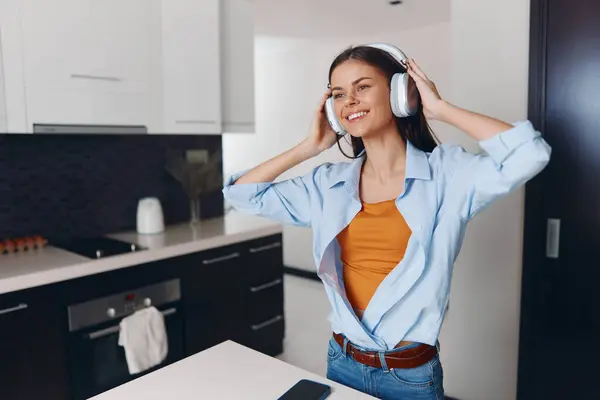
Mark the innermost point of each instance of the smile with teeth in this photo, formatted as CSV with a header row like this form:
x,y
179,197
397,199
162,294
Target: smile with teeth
x,y
356,116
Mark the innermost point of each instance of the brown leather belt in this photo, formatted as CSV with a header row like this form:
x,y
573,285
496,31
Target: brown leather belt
x,y
409,358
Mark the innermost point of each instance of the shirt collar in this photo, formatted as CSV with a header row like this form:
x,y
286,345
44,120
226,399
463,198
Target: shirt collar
x,y
417,167
417,163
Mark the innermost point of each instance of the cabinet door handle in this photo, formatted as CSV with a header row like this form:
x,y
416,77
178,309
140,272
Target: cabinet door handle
x,y
265,247
96,77
194,122
267,323
221,259
114,329
265,286
20,307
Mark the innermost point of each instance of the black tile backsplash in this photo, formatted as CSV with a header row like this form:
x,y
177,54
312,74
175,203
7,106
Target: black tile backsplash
x,y
63,186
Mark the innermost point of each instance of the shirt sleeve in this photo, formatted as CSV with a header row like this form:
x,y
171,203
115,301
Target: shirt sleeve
x,y
289,201
512,158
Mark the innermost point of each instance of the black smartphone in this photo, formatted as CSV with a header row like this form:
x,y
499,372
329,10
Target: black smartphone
x,y
307,390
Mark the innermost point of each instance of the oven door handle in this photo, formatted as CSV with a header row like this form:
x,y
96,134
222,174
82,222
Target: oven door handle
x,y
114,329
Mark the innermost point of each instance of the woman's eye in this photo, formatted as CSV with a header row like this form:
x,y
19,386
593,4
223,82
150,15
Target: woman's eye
x,y
337,95
361,87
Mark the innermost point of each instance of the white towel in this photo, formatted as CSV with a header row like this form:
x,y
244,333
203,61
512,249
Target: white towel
x,y
144,337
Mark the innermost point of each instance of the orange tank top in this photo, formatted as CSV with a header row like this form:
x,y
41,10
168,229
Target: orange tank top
x,y
371,246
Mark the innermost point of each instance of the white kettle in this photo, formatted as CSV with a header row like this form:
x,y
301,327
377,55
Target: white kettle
x,y
150,218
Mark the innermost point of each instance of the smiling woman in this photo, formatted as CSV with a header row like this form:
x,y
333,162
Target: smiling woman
x,y
388,225
370,93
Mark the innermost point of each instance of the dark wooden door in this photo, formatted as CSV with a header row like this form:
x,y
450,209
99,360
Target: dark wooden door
x,y
560,316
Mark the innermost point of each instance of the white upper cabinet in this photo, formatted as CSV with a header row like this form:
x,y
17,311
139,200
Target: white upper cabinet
x,y
103,45
91,61
237,60
12,92
191,66
208,66
3,113
175,66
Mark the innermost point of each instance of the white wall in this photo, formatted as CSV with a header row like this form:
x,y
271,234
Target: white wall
x,y
480,337
478,61
345,18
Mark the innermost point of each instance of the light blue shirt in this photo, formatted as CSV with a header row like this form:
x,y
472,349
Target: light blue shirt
x,y
444,189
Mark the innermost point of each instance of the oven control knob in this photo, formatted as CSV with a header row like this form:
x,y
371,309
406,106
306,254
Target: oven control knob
x,y
111,312
147,302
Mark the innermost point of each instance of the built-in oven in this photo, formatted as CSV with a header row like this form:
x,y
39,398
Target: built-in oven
x,y
97,361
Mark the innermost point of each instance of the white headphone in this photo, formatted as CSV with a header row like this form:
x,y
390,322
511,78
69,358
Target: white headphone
x,y
404,96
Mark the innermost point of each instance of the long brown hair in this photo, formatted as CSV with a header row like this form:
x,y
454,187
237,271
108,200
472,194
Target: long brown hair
x,y
414,128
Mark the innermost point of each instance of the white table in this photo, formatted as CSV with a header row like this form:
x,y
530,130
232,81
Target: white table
x,y
225,371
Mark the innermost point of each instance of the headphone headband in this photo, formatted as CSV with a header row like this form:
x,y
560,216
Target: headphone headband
x,y
392,50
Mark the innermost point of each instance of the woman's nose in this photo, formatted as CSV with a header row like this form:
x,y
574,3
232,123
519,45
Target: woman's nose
x,y
350,100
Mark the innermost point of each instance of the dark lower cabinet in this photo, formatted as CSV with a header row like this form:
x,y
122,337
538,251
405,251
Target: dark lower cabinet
x,y
213,298
229,293
263,274
33,353
236,293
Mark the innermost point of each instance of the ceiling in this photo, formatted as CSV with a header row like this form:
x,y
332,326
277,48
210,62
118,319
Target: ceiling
x,y
339,18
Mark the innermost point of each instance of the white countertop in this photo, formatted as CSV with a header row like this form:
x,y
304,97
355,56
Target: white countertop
x,y
226,371
49,265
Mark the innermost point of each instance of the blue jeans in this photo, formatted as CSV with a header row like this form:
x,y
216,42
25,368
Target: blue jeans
x,y
423,382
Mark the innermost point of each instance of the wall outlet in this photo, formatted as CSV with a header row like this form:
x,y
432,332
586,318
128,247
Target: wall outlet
x,y
196,156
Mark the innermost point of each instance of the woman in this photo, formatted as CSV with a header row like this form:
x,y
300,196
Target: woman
x,y
388,226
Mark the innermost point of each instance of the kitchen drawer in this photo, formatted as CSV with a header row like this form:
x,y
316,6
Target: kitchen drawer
x,y
264,302
267,336
204,269
263,260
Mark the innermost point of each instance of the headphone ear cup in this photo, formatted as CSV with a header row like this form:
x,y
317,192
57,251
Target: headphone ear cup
x,y
404,95
335,125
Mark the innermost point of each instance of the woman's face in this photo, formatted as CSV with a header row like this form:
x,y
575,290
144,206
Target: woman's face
x,y
362,98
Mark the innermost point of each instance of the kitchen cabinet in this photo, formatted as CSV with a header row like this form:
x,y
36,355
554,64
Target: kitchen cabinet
x,y
237,65
214,300
84,62
33,354
191,70
236,293
80,107
13,89
264,312
176,66
3,116
233,292
208,66
93,46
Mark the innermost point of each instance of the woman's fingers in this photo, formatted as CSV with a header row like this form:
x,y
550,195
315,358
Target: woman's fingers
x,y
413,66
418,79
326,95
